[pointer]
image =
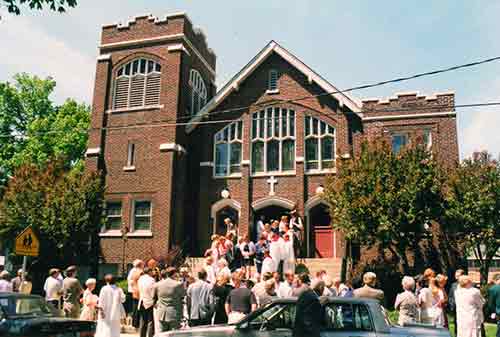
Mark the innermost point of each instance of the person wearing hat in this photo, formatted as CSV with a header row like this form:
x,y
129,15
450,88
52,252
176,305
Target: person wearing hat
x,y
53,288
72,290
5,285
16,281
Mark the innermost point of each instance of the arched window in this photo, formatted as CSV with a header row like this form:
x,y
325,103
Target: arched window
x,y
320,144
137,84
198,89
227,145
273,140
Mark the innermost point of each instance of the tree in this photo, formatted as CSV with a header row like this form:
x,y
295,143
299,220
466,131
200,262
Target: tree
x,y
386,199
473,208
61,205
54,5
34,129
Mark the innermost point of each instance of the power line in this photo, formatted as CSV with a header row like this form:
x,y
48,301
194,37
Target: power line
x,y
173,122
358,87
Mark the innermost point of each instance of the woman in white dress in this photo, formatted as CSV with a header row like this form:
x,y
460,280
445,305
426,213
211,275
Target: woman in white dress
x,y
111,311
469,304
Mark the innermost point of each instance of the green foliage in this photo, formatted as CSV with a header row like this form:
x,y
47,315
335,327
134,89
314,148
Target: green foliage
x,y
473,208
33,129
54,5
387,199
60,204
123,284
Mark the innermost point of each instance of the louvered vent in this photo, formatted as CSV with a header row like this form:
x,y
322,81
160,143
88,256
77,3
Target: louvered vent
x,y
121,92
137,84
137,91
153,89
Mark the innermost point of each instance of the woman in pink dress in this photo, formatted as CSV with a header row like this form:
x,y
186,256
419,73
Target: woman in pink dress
x,y
89,300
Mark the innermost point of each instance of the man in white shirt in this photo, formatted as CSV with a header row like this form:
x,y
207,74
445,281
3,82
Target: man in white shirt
x,y
5,285
285,288
133,290
146,301
53,288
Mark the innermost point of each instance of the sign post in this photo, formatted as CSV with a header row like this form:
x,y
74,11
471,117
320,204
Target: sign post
x,y
27,244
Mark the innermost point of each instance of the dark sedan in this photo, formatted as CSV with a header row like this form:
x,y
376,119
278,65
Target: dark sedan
x,y
30,315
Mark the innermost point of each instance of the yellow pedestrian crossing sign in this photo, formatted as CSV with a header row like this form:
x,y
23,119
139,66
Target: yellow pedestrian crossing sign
x,y
27,243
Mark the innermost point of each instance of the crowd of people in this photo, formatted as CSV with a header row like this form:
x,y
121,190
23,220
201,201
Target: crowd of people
x,y
278,244
162,298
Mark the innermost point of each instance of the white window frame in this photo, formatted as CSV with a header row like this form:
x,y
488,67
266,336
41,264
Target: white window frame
x,y
147,74
197,85
104,228
238,139
319,137
280,138
132,222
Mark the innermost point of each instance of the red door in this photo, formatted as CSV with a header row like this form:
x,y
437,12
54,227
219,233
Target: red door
x,y
323,239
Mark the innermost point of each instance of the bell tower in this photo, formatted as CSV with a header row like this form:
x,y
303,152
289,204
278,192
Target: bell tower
x,y
143,87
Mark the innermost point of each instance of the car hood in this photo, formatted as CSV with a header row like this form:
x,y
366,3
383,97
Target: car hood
x,y
47,325
208,330
420,331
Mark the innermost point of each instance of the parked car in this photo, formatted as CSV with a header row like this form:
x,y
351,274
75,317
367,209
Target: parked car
x,y
344,317
30,315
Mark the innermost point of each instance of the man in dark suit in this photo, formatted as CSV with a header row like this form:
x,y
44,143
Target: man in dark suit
x,y
309,312
494,302
169,295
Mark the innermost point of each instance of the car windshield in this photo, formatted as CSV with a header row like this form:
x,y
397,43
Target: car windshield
x,y
25,306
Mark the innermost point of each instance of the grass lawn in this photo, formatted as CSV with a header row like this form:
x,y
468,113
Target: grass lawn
x,y
490,328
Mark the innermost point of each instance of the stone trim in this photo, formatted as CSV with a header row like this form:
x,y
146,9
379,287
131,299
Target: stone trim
x,y
172,147
207,164
92,152
273,201
410,116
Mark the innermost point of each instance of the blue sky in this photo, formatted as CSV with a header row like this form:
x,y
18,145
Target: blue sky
x,y
347,42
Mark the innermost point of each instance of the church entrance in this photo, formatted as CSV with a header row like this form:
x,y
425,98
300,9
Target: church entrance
x,y
320,236
267,215
226,212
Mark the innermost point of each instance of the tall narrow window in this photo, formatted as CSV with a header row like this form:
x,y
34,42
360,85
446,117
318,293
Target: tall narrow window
x,y
142,215
427,135
273,140
131,155
227,143
399,141
137,84
113,215
198,92
320,144
272,82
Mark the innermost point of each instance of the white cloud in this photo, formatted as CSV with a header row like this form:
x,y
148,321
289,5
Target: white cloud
x,y
27,48
481,130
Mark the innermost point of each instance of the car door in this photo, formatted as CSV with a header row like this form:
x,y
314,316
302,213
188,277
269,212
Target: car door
x,y
276,321
347,320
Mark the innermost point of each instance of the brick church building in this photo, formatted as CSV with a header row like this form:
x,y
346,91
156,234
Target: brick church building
x,y
179,155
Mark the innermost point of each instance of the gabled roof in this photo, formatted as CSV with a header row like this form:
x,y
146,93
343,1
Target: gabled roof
x,y
343,98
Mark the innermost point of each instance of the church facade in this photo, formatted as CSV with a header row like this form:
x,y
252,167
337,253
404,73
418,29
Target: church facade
x,y
178,155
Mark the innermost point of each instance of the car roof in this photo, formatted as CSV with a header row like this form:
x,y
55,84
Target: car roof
x,y
17,295
332,299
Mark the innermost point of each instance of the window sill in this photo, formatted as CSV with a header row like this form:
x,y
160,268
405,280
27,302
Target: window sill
x,y
112,233
231,176
272,92
275,174
320,172
140,234
139,108
128,168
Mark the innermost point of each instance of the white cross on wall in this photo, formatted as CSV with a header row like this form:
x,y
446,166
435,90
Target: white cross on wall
x,y
272,181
